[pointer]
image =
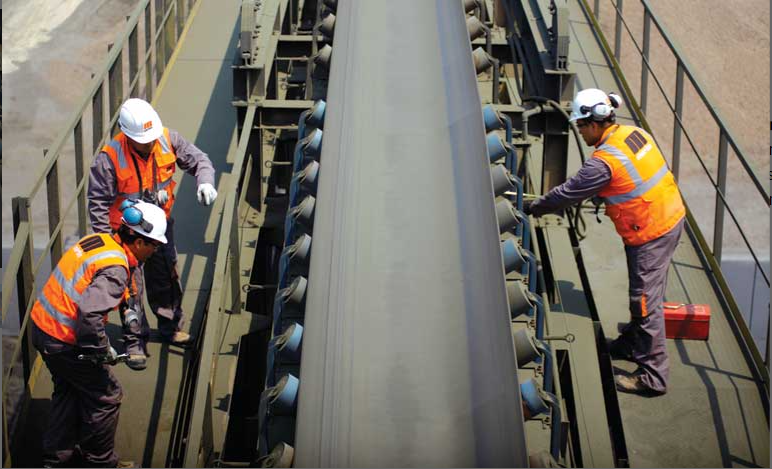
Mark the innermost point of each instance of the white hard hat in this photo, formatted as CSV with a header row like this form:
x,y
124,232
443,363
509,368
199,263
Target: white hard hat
x,y
144,218
139,121
594,104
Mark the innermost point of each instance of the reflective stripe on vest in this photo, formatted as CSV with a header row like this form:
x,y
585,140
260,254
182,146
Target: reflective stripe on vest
x,y
641,187
155,172
629,166
56,309
69,285
54,313
115,145
642,198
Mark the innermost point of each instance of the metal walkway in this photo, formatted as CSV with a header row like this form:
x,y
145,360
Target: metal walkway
x,y
713,414
194,97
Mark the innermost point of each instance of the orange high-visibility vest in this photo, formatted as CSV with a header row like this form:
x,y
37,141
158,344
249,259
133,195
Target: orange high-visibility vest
x,y
155,173
642,198
56,310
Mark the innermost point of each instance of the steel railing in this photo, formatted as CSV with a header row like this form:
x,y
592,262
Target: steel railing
x,y
200,440
162,22
759,194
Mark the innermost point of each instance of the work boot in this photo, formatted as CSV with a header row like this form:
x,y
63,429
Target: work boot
x,y
127,464
180,338
634,385
137,361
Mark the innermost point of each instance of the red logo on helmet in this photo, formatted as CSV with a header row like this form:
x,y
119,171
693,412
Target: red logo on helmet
x,y
147,125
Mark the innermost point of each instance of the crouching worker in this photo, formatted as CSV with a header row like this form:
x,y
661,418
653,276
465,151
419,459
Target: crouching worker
x,y
91,279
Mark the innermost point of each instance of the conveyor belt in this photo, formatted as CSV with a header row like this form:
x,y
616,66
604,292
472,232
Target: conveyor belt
x,y
407,354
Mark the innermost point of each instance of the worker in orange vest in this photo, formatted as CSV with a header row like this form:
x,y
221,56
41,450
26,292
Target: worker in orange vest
x,y
68,328
139,163
630,174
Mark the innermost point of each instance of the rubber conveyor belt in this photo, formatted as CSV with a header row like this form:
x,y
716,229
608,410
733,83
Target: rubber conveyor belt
x,y
407,355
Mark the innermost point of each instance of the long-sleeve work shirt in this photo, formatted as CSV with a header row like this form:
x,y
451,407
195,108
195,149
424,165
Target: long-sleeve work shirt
x,y
591,178
103,182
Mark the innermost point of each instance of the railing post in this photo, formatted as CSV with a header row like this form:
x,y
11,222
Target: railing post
x,y
97,121
24,279
645,58
618,30
149,46
54,208
77,135
679,109
133,62
115,82
718,227
180,5
160,49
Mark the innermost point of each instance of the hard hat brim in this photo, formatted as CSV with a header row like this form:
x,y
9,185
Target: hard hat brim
x,y
135,228
147,137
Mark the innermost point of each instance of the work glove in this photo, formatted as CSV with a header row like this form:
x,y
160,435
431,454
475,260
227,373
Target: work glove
x,y
162,197
132,320
206,194
527,207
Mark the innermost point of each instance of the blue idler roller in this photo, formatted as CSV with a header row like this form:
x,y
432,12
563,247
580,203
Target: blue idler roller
x,y
283,398
502,179
299,219
307,149
303,182
311,119
520,300
532,396
525,347
496,146
326,25
283,349
512,255
507,216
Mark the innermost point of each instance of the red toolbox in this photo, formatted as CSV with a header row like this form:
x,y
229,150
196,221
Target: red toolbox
x,y
684,321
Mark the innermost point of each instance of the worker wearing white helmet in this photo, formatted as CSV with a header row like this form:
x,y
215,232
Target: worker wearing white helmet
x,y
91,279
139,163
628,172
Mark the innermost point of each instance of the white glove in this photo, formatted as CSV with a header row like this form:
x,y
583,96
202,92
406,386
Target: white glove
x,y
162,197
206,194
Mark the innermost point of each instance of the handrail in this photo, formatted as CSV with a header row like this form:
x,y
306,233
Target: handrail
x,y
708,103
110,79
227,248
723,131
96,83
757,363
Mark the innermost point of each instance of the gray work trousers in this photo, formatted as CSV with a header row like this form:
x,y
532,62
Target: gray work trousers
x,y
164,293
84,407
647,268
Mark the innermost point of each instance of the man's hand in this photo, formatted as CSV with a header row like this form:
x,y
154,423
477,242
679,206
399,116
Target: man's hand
x,y
527,207
162,196
206,194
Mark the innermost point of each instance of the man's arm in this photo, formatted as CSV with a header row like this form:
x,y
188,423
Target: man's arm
x,y
103,294
102,191
192,160
591,178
